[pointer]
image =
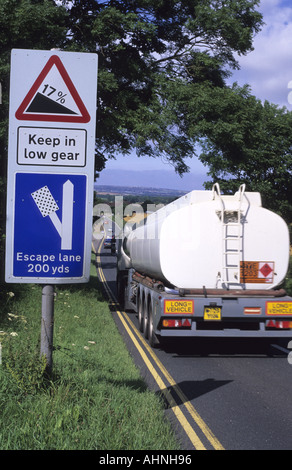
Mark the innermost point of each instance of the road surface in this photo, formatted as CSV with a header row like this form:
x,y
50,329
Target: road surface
x,y
232,395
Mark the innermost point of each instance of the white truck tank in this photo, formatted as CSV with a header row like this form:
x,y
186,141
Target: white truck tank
x,y
208,240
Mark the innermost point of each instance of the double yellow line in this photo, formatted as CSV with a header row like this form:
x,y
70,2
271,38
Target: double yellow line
x,y
139,341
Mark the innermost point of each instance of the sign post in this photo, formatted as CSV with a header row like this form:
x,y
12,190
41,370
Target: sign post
x,y
51,151
47,326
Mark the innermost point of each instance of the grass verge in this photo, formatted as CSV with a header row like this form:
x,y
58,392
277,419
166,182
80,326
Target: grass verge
x,y
96,399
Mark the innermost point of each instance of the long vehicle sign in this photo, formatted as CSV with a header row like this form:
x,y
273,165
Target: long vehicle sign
x,y
185,307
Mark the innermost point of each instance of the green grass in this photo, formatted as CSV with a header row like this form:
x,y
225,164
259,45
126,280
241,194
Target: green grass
x,y
96,398
288,281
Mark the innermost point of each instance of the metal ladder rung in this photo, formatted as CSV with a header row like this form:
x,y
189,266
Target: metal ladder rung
x,y
230,239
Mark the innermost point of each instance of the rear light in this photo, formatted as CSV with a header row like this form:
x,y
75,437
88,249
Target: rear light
x,y
181,323
279,325
171,323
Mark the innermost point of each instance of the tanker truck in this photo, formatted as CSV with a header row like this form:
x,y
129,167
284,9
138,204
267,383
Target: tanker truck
x,y
207,265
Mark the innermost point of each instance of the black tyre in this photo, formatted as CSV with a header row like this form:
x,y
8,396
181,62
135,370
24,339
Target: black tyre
x,y
153,340
121,286
141,314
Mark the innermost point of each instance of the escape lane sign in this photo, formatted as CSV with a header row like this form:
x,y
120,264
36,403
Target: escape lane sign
x,y
52,244
50,166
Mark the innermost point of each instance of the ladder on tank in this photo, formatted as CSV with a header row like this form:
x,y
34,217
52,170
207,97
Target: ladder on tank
x,y
232,237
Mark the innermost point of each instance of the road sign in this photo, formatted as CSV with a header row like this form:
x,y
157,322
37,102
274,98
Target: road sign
x,y
50,166
51,146
53,97
49,225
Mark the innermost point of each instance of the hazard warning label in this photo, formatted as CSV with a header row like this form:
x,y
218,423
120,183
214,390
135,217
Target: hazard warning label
x,y
257,272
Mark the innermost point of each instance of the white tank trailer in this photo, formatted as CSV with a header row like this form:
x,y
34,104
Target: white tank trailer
x,y
206,245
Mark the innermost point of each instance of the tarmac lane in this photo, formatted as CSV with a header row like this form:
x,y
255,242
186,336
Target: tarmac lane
x,y
220,394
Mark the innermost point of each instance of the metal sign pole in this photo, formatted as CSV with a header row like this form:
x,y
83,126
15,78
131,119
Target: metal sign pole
x,y
47,327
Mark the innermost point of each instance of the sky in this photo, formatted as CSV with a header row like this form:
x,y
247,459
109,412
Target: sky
x,y
268,71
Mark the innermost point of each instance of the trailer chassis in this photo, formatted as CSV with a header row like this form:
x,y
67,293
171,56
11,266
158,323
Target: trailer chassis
x,y
164,312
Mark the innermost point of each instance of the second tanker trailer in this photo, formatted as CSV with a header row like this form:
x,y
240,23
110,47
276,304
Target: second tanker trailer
x,y
207,265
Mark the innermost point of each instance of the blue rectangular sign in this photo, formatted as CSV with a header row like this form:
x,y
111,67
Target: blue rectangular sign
x,y
49,226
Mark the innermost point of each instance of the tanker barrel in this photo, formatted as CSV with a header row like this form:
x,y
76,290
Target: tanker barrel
x,y
208,240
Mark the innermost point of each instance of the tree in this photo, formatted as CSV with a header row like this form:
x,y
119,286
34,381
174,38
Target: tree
x,y
25,24
162,90
146,49
244,140
149,51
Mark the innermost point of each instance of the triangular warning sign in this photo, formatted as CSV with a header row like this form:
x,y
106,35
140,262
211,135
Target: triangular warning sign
x,y
53,97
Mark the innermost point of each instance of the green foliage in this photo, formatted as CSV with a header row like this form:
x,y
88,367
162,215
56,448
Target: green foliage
x,y
27,371
145,49
24,24
96,399
288,281
162,87
250,142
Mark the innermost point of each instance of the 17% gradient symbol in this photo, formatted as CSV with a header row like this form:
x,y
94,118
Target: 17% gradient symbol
x,y
50,90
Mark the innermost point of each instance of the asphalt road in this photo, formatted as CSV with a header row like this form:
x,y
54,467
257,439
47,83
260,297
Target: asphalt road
x,y
232,395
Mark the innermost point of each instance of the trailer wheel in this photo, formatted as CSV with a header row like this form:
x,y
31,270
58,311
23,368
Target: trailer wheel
x,y
121,285
146,319
141,313
153,340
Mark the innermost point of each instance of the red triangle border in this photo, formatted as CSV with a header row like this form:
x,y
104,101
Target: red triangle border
x,y
20,113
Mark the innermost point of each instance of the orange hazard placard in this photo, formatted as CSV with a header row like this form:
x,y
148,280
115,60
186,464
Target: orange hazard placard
x,y
185,307
257,272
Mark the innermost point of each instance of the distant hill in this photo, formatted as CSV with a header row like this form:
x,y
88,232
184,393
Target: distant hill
x,y
148,182
135,190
